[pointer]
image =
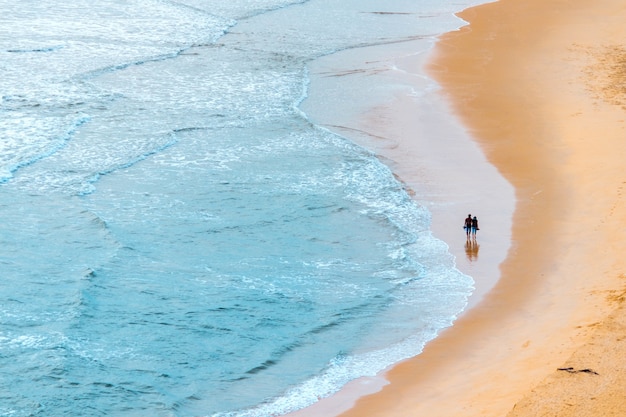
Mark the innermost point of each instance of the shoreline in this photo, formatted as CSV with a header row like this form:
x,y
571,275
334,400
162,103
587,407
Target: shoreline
x,y
539,84
439,174
411,128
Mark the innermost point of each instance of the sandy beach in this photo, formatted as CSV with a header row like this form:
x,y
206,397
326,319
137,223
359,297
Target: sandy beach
x,y
540,86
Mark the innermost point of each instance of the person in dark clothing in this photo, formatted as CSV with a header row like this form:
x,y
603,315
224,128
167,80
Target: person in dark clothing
x,y
468,225
474,226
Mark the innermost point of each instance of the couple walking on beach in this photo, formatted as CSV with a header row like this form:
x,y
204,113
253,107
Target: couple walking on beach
x,y
471,226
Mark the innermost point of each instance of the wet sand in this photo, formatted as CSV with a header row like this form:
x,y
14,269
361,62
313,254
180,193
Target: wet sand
x,y
540,84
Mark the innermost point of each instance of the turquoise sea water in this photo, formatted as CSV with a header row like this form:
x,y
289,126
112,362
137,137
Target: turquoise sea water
x,y
178,238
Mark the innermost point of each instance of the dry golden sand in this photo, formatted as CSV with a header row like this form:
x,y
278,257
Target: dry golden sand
x,y
541,84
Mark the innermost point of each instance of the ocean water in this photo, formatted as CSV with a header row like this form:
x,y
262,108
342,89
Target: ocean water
x,y
178,238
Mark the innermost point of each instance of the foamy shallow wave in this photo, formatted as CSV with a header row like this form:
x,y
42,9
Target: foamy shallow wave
x,y
345,368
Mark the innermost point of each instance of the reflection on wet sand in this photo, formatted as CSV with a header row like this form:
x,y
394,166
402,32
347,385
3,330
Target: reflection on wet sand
x,y
471,249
